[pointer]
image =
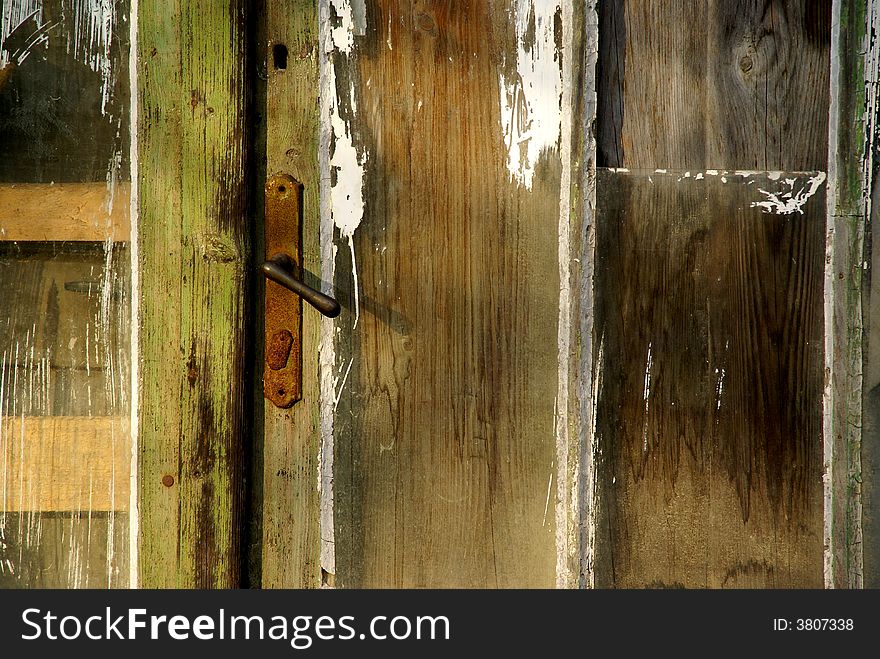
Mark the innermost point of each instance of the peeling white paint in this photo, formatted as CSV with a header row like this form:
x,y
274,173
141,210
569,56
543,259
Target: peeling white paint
x,y
719,387
530,100
792,200
566,488
547,499
342,208
346,161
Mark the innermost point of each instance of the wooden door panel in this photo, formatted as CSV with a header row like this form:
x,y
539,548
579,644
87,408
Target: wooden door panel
x,y
709,326
446,361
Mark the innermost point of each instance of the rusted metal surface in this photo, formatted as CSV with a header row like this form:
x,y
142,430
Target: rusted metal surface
x,y
282,373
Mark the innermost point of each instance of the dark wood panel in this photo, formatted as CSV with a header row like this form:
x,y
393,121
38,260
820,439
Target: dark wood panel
x,y
445,424
709,324
697,84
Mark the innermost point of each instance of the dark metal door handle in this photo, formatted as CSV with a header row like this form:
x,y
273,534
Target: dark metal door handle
x,y
280,268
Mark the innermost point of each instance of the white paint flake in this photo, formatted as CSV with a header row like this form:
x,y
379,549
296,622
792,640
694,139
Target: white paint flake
x,y
342,208
388,40
530,98
719,387
791,200
346,165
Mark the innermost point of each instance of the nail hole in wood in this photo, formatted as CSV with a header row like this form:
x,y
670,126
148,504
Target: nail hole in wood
x,y
279,56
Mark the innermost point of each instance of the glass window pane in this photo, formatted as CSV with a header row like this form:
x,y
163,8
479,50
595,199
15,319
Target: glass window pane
x,y
65,451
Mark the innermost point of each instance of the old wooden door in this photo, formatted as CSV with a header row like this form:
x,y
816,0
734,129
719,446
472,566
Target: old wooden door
x,y
431,445
600,326
565,361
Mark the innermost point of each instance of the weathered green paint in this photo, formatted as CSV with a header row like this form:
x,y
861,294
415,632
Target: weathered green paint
x,y
193,252
846,219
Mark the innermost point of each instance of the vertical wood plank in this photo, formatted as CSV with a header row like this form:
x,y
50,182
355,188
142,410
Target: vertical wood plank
x,y
193,246
851,455
447,359
708,86
576,487
288,449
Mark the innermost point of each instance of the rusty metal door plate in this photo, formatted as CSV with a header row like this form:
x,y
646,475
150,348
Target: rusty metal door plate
x,y
282,370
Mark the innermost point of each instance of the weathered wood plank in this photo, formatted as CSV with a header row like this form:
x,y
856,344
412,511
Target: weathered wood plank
x,y
851,439
447,355
65,464
709,326
575,487
193,256
725,85
64,212
288,447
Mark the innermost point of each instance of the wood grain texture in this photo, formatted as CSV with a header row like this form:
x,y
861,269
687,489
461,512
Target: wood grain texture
x,y
575,563
709,323
65,464
852,431
64,212
697,84
286,534
193,257
444,427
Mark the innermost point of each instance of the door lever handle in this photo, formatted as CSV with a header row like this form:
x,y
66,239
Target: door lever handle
x,y
280,268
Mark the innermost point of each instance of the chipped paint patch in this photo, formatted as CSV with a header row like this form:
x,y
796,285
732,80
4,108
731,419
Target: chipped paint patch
x,y
530,98
347,162
342,166
791,200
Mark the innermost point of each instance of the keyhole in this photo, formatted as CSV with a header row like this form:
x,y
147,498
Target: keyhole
x,y
279,56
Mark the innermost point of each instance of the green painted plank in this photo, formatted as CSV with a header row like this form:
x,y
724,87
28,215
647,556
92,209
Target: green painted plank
x,y
193,246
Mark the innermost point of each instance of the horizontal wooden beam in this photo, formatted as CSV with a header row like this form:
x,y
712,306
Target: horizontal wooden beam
x,y
64,212
64,464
